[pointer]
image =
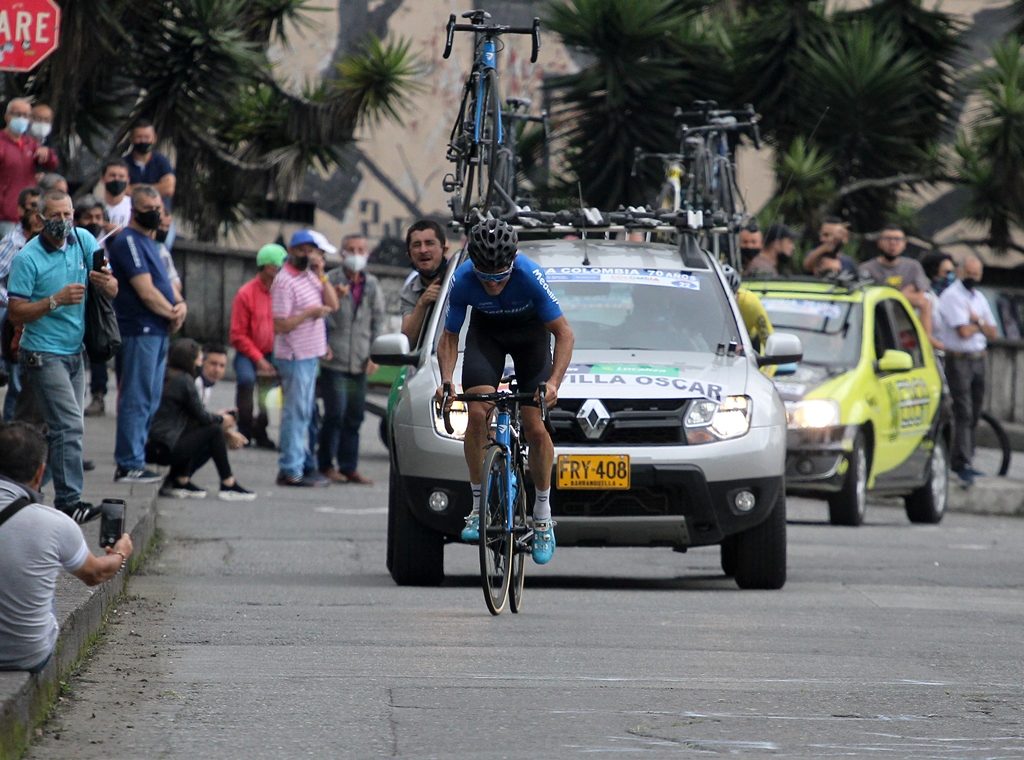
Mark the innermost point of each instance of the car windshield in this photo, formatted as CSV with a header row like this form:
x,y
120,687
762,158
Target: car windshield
x,y
830,331
643,309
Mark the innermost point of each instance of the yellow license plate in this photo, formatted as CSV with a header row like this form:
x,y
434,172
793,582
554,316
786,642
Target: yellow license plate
x,y
593,471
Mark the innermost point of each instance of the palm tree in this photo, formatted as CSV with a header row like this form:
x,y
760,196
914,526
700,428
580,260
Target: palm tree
x,y
198,70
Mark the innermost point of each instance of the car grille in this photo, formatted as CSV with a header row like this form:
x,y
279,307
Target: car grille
x,y
634,422
636,502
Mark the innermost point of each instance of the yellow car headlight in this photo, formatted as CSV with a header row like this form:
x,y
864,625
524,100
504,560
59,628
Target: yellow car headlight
x,y
459,417
812,413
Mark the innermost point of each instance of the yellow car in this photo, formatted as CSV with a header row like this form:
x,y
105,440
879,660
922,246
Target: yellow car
x,y
866,406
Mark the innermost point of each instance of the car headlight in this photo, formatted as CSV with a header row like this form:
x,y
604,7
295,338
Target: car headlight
x,y
457,415
708,420
812,413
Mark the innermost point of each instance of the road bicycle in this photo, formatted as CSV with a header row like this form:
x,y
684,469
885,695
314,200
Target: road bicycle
x,y
505,535
510,164
478,133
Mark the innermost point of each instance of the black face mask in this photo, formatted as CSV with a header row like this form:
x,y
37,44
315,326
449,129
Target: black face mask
x,y
161,236
142,147
94,229
148,220
115,186
748,253
300,262
969,282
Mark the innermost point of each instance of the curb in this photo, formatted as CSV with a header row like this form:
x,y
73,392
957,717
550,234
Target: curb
x,y
25,698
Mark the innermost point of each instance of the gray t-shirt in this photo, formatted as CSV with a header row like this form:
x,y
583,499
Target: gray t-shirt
x,y
412,289
904,271
35,545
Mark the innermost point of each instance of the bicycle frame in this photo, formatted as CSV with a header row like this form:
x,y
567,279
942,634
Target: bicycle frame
x,y
487,61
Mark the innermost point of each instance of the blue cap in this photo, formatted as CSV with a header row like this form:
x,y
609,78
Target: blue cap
x,y
303,237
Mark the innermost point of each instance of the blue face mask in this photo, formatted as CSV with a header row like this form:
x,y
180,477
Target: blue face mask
x,y
940,285
19,125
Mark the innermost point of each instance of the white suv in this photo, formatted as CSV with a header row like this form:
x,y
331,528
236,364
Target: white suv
x,y
666,433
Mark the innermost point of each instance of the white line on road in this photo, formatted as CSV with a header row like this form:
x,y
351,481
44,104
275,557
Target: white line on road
x,y
340,511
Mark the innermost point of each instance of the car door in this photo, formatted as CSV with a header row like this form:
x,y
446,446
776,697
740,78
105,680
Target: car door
x,y
909,403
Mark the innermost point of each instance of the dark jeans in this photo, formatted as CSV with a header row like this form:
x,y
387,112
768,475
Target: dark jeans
x,y
195,448
247,381
344,408
98,378
966,378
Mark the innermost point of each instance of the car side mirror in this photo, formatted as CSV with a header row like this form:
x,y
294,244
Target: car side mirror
x,y
393,350
894,361
781,348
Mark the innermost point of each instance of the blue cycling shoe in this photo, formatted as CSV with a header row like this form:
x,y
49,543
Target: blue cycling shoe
x,y
543,541
471,533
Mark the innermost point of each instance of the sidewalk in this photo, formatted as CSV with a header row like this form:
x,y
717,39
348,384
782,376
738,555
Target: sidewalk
x,y
26,699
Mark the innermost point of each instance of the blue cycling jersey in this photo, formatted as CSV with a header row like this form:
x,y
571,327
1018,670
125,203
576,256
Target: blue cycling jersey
x,y
526,296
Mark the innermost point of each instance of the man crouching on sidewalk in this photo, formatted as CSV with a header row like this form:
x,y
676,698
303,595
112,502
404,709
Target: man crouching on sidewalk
x,y
36,541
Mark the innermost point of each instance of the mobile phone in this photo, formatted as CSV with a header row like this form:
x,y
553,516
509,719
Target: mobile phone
x,y
112,522
98,260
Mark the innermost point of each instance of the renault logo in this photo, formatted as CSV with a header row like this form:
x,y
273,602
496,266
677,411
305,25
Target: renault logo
x,y
593,419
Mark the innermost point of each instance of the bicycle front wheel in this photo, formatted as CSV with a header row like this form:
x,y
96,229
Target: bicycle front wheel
x,y
495,539
520,547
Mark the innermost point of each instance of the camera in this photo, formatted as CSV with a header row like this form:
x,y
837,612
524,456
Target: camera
x,y
112,522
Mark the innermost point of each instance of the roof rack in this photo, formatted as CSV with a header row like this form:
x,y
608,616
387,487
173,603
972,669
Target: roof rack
x,y
623,219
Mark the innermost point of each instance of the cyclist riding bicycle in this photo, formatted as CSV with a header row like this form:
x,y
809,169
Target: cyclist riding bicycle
x,y
755,317
514,311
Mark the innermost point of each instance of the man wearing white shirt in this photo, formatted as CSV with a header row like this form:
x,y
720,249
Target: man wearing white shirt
x,y
116,201
967,325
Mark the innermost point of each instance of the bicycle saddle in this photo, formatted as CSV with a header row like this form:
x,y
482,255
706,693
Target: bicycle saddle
x,y
477,17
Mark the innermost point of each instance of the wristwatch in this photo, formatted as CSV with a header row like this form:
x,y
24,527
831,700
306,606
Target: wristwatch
x,y
53,303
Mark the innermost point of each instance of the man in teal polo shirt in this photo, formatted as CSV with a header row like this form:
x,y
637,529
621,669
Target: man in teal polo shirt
x,y
47,291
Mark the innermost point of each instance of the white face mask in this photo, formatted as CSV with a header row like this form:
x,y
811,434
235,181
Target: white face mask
x,y
355,262
40,129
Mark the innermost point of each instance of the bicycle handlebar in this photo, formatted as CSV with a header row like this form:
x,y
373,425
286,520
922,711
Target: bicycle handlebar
x,y
491,30
495,397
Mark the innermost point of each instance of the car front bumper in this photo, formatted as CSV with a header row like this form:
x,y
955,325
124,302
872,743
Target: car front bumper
x,y
817,459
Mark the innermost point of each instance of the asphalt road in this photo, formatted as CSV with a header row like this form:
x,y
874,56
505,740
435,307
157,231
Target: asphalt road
x,y
272,629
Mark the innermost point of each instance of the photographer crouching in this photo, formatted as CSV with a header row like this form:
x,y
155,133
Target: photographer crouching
x,y
36,542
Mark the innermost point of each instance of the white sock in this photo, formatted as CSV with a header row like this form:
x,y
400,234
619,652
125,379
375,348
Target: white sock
x,y
475,488
542,506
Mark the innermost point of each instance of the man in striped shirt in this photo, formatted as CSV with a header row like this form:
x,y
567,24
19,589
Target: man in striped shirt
x,y
299,303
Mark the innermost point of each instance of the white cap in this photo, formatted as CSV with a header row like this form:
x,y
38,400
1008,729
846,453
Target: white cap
x,y
321,242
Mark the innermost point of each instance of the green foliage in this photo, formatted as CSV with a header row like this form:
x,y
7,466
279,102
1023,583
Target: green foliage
x,y
198,70
993,152
807,188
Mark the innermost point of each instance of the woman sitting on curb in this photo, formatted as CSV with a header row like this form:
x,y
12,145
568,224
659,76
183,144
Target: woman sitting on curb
x,y
185,436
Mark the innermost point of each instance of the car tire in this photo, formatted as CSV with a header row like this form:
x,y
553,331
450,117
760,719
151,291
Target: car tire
x,y
928,503
416,553
847,507
761,551
728,552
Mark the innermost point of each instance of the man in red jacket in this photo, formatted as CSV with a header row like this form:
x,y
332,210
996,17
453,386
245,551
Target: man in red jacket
x,y
20,158
252,335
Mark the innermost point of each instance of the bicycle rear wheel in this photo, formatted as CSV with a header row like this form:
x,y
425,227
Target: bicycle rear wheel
x,y
480,175
495,540
520,548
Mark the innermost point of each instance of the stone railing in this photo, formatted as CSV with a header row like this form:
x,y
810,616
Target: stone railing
x,y
1004,398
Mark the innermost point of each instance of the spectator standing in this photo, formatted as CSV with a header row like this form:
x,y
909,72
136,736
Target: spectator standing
x,y
890,267
41,124
426,245
350,332
252,336
90,214
148,311
47,295
940,269
36,543
29,226
21,157
750,242
775,256
832,236
185,435
116,201
967,325
146,166
300,301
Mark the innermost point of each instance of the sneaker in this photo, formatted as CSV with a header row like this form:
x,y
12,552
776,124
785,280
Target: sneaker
x,y
975,472
543,541
82,512
95,408
966,477
140,475
235,493
300,482
471,533
175,490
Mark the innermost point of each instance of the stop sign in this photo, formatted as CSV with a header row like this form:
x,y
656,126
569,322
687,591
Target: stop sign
x,y
29,32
